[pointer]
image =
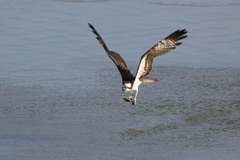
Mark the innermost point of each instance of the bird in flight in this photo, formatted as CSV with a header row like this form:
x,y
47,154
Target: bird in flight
x,y
130,83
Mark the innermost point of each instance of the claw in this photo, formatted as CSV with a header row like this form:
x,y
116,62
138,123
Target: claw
x,y
128,99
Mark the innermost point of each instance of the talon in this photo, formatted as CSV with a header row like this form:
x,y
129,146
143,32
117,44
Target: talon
x,y
128,99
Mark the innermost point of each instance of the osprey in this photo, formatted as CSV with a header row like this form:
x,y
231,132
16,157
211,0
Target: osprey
x,y
131,83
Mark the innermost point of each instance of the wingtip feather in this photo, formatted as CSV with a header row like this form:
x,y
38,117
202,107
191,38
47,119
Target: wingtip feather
x,y
178,35
91,26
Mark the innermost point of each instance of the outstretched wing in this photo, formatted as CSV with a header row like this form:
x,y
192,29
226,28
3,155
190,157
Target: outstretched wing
x,y
116,58
167,44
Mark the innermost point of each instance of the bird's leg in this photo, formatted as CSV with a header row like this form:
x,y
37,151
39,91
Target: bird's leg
x,y
134,97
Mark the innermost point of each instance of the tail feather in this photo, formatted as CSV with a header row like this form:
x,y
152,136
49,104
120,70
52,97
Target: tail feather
x,y
148,80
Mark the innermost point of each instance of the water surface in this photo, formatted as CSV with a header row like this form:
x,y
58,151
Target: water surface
x,y
60,95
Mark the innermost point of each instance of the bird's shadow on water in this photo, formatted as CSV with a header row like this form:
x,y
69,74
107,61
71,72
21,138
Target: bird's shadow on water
x,y
134,133
151,122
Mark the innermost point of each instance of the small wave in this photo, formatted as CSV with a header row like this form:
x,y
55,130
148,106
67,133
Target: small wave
x,y
198,4
84,0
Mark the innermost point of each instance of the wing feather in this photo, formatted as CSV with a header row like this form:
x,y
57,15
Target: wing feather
x,y
167,44
116,58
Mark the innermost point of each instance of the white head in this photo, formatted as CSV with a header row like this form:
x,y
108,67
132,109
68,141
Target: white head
x,y
127,87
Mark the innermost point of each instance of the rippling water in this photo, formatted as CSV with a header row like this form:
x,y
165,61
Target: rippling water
x,y
60,95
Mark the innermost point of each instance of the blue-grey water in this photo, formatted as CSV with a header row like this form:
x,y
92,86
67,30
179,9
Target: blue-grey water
x,y
61,98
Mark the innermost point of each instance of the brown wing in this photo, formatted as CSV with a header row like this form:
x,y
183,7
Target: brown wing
x,y
167,44
116,58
